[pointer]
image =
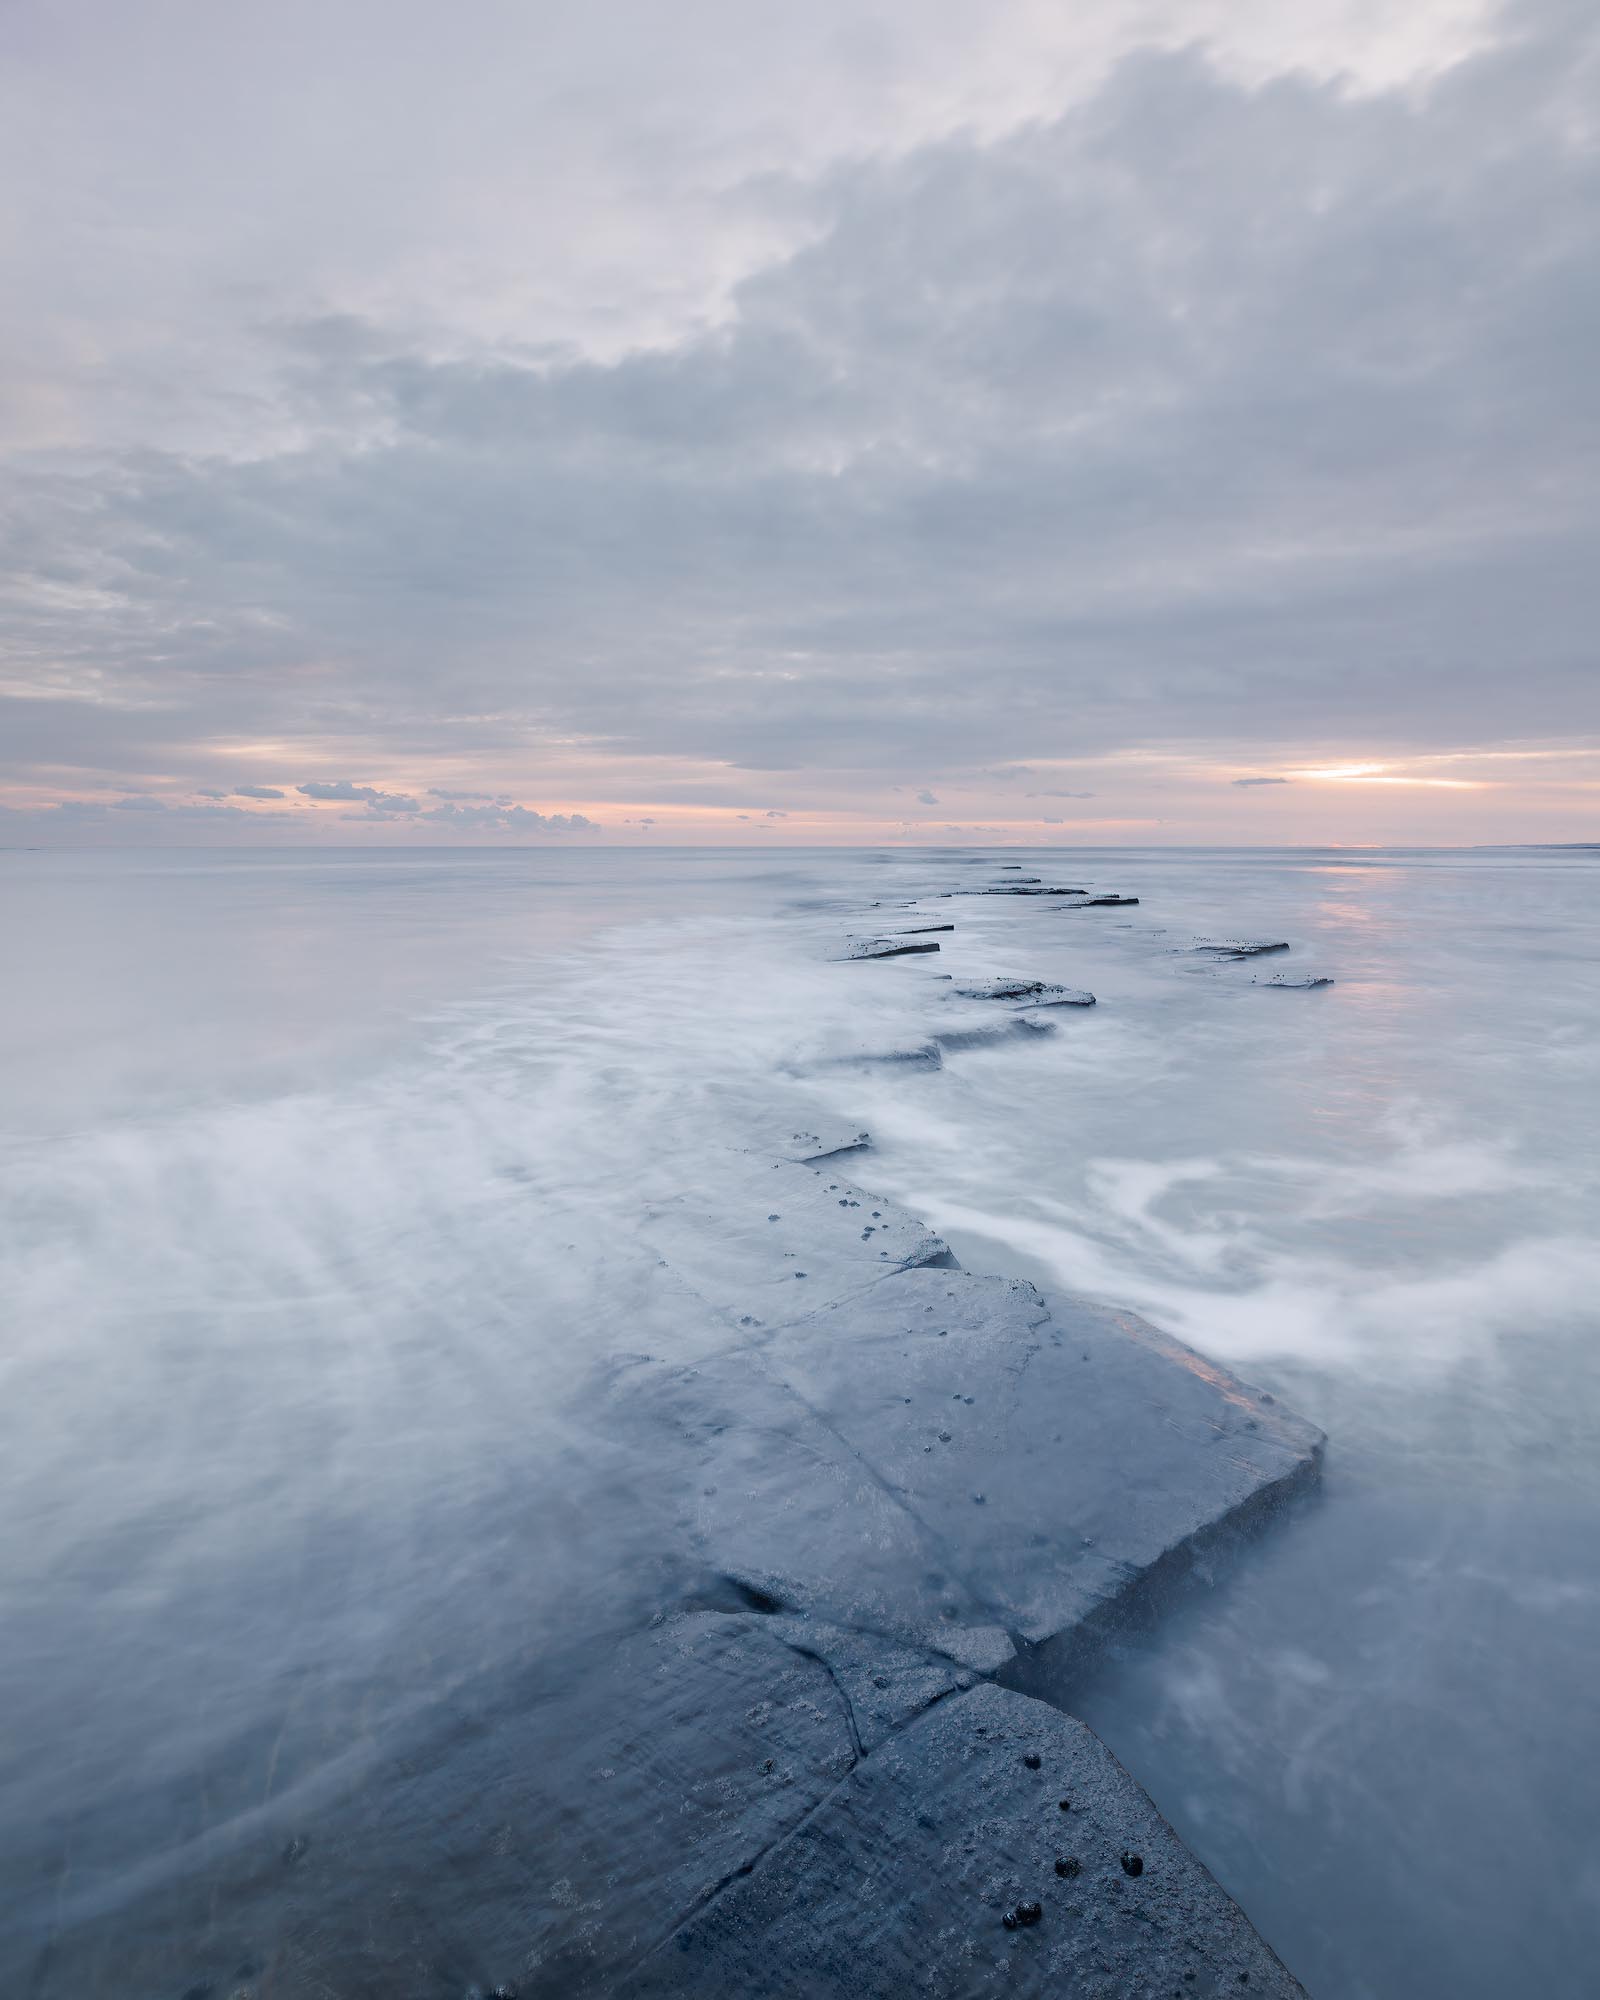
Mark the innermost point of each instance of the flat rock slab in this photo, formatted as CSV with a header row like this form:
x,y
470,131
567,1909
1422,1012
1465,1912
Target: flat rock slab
x,y
1030,992
901,1880
759,1242
545,1830
1297,985
945,1458
824,1138
1237,947
1011,889
887,948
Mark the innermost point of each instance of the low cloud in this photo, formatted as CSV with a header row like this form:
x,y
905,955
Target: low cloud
x,y
926,799
1242,783
336,788
508,819
256,792
380,805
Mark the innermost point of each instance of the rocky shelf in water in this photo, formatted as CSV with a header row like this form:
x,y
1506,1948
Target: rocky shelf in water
x,y
1237,947
880,947
1027,889
839,1766
1028,993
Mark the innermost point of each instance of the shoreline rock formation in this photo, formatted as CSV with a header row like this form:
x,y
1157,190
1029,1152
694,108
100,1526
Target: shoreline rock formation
x,y
899,1505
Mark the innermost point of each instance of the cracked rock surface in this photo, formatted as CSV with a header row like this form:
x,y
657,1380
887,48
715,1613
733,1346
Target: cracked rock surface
x,y
948,1456
909,1494
901,1880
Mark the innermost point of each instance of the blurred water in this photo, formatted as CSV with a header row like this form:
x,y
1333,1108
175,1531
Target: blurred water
x,y
322,1180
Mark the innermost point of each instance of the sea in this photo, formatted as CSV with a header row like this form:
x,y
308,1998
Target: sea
x,y
321,1176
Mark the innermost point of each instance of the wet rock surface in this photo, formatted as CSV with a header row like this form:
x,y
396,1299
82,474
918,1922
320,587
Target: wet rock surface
x,y
954,1040
1034,888
924,1055
1237,947
1027,992
836,1458
542,1831
821,1140
888,948
932,1869
915,1500
696,1806
714,1236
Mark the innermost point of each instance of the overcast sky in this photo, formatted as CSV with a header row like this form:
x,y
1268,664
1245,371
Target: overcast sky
x,y
878,419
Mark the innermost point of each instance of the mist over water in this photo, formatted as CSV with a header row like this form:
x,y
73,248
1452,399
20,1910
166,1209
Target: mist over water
x,y
325,1186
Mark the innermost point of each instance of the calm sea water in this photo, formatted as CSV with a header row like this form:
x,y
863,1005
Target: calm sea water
x,y
321,1183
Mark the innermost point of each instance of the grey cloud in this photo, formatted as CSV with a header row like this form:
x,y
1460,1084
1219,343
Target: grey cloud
x,y
1060,795
337,788
257,792
435,793
95,809
1203,414
926,799
380,805
1244,782
508,819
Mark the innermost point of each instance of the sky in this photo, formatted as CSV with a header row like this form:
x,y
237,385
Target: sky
x,y
885,420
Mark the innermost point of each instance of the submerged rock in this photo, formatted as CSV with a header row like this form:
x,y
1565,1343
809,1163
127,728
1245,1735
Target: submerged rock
x,y
1022,1028
832,1136
925,1055
1299,985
